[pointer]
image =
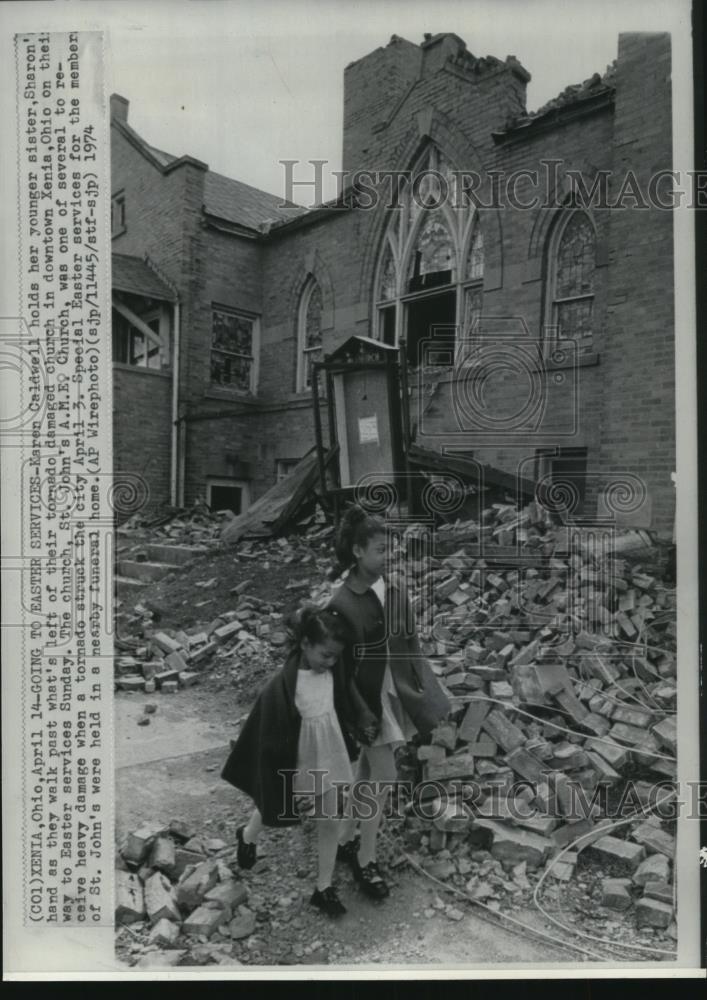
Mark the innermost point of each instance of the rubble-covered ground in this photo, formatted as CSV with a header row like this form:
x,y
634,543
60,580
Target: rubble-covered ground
x,y
561,667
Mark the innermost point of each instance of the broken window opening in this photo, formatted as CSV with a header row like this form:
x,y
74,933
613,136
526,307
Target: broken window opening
x,y
561,478
439,250
117,215
431,330
227,494
131,344
432,259
232,350
475,258
284,467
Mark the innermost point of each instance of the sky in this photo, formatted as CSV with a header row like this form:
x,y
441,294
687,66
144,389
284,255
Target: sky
x,y
242,84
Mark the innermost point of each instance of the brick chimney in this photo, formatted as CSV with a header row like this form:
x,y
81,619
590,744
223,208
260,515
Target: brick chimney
x,y
373,86
437,49
119,107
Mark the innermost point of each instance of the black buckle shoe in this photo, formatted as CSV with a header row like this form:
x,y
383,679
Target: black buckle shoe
x,y
247,854
348,852
370,879
327,900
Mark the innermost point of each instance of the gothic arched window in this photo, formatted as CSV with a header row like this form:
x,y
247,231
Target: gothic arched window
x,y
430,265
309,333
573,262
433,257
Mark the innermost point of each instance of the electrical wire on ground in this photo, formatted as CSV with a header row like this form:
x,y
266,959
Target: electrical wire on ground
x,y
587,836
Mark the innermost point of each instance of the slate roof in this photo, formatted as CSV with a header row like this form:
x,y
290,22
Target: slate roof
x,y
244,205
134,275
225,198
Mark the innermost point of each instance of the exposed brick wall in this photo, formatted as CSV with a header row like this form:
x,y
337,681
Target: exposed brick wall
x,y
142,431
163,216
155,205
258,439
638,399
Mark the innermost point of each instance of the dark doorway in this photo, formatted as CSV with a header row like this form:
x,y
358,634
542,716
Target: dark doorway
x,y
562,475
424,318
226,498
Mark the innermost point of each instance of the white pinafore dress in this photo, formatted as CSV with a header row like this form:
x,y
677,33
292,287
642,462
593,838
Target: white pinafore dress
x,y
321,744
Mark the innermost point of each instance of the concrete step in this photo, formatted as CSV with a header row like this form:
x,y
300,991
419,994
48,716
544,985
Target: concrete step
x,y
148,572
178,555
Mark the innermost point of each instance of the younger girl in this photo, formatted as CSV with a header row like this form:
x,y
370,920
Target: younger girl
x,y
299,724
392,687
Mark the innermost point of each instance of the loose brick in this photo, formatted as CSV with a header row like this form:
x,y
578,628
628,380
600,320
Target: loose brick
x,y
129,898
445,735
162,856
654,840
516,845
160,899
165,643
620,854
655,868
187,678
194,885
164,933
653,913
139,842
228,894
661,891
460,765
204,920
184,859
615,894
177,662
454,819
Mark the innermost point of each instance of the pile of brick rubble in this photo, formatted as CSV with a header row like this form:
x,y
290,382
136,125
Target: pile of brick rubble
x,y
561,667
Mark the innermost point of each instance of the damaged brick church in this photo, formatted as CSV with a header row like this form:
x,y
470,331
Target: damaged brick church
x,y
551,327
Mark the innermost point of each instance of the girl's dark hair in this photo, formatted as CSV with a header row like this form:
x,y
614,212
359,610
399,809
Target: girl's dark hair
x,y
357,527
316,625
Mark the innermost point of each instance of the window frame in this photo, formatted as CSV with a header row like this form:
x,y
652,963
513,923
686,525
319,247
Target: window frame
x,y
254,357
227,483
400,238
118,199
545,459
157,314
308,289
284,467
551,339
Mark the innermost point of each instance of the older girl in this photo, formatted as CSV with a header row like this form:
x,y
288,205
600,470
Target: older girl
x,y
393,689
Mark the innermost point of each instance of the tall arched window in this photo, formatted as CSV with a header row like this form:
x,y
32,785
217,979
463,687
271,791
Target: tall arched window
x,y
386,295
571,275
309,339
430,266
473,289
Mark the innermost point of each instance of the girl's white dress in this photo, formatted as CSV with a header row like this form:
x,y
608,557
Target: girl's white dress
x,y
396,725
321,743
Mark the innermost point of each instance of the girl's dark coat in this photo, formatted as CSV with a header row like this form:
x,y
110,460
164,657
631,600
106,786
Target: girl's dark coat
x,y
418,689
268,743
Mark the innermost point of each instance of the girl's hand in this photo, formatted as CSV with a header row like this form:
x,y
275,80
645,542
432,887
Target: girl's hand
x,y
369,733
